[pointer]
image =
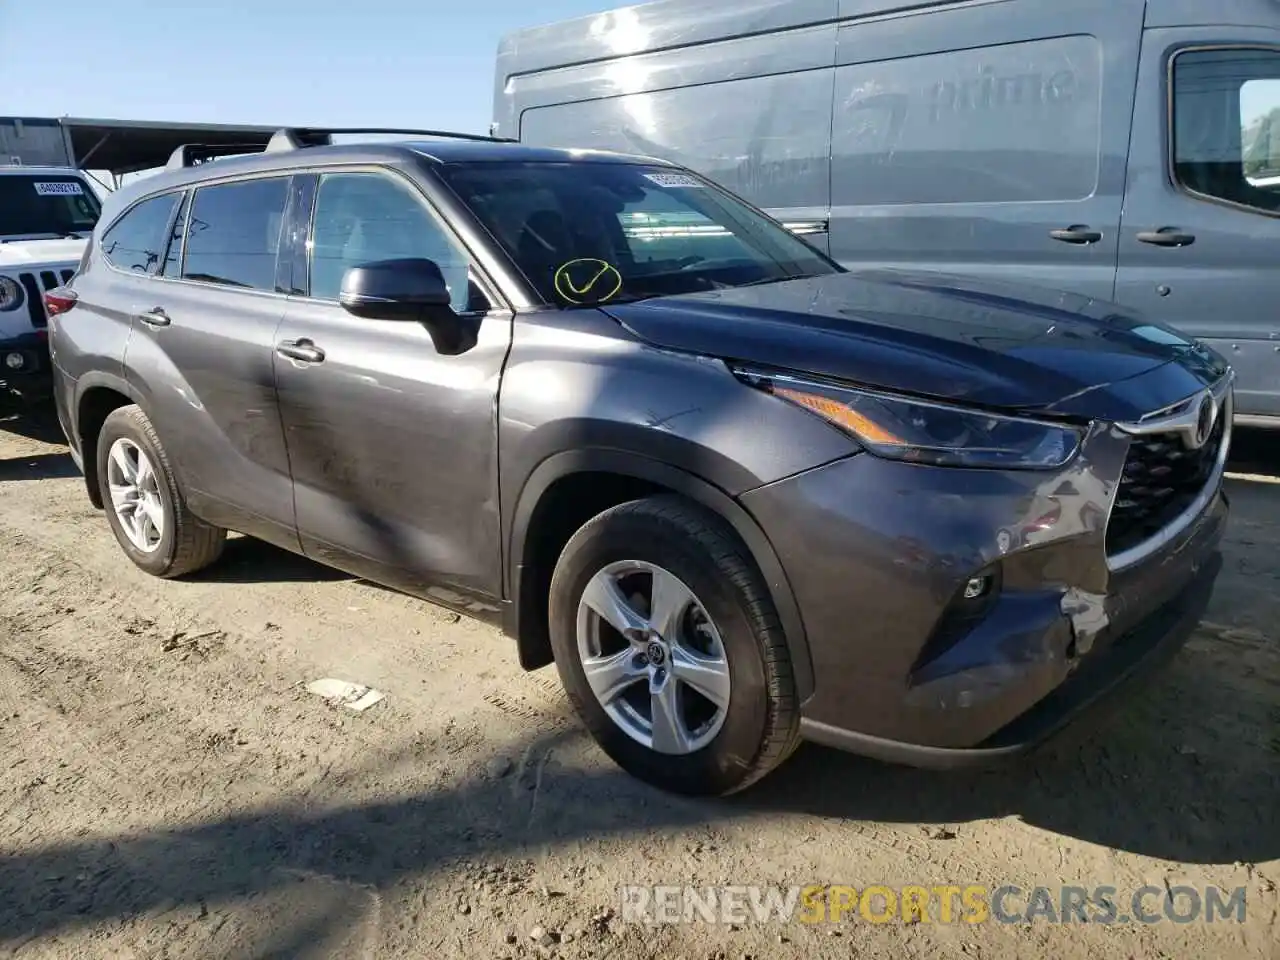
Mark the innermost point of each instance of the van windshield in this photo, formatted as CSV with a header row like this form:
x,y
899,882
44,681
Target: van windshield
x,y
592,233
41,205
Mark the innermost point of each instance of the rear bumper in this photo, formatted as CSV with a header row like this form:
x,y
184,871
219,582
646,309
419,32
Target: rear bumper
x,y
1095,686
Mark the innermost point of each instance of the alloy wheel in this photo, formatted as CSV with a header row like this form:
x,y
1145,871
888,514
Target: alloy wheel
x,y
653,657
135,494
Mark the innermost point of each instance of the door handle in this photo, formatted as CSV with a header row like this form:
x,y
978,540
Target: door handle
x,y
155,317
1167,237
303,350
1077,234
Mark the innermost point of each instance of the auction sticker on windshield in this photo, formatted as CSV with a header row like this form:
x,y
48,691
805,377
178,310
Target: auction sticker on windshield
x,y
674,180
59,188
588,281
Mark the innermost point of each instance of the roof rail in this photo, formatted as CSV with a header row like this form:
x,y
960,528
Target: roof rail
x,y
295,138
190,154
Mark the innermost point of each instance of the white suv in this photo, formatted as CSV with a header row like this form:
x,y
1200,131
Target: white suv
x,y
46,215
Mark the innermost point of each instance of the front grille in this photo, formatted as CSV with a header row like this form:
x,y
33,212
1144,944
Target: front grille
x,y
35,285
1161,479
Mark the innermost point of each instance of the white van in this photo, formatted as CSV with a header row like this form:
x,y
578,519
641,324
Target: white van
x,y
1125,149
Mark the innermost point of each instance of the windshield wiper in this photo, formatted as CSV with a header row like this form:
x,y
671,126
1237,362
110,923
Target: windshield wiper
x,y
784,277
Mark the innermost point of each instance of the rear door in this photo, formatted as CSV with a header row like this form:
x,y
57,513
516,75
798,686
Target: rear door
x,y
1200,239
987,139
201,355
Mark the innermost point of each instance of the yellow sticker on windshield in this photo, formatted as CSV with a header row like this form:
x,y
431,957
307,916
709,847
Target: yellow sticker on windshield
x,y
588,281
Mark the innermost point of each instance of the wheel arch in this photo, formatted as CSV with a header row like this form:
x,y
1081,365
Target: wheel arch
x,y
97,395
629,476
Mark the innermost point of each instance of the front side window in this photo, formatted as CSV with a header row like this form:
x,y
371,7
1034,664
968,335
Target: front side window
x,y
365,217
233,233
1226,125
136,242
46,205
590,233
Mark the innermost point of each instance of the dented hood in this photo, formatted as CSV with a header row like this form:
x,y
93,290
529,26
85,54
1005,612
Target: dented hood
x,y
934,335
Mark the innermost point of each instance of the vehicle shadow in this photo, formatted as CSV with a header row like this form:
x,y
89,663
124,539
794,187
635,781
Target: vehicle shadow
x,y
39,424
1110,793
1181,772
1255,451
248,560
38,466
36,423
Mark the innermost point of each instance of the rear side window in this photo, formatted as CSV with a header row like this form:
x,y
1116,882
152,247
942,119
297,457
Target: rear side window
x,y
136,241
233,233
1226,125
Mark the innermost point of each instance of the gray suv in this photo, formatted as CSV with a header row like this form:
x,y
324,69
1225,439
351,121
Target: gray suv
x,y
739,495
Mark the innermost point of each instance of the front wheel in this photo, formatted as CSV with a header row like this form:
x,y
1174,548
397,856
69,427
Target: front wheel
x,y
670,648
145,507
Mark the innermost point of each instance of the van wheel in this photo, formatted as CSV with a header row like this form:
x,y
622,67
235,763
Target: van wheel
x,y
145,508
670,648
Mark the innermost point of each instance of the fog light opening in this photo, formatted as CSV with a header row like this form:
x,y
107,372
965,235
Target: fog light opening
x,y
15,361
977,587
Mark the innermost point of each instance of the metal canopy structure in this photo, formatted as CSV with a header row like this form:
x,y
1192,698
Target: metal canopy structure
x,y
130,146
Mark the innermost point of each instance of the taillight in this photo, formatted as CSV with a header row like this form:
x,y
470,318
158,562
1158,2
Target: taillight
x,y
59,301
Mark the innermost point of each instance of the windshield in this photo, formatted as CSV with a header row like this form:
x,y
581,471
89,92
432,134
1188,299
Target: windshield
x,y
46,205
591,233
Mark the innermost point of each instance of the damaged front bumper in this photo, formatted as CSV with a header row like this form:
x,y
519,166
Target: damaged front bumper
x,y
881,556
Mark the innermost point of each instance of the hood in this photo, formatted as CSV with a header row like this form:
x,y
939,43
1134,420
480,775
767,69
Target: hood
x,y
35,253
933,335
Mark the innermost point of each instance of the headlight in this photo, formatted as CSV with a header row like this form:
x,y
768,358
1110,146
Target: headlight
x,y
10,294
920,431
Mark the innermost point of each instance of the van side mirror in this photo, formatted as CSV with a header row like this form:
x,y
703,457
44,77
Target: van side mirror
x,y
411,289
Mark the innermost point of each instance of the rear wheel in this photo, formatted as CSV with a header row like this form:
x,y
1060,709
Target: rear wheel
x,y
145,508
669,646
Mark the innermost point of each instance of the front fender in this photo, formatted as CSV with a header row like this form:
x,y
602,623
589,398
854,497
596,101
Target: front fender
x,y
639,467
581,394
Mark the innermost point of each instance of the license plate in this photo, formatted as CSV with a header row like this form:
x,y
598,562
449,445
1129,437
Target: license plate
x,y
59,188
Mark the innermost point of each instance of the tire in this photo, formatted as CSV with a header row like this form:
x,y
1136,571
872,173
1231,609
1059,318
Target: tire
x,y
760,725
186,543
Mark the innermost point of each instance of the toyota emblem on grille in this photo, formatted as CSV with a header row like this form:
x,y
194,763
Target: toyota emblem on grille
x,y
1206,415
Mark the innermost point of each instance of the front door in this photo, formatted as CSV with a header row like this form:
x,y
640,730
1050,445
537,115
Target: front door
x,y
392,445
1200,240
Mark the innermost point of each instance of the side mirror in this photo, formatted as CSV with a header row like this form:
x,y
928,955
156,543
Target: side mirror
x,y
411,289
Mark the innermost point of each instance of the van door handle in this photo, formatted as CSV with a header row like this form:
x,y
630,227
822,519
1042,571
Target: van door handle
x,y
155,317
1167,237
303,350
1078,234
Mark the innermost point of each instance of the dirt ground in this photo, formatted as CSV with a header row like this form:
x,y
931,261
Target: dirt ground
x,y
168,789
